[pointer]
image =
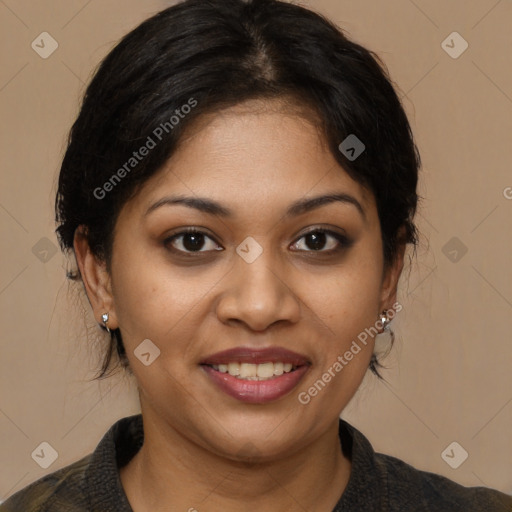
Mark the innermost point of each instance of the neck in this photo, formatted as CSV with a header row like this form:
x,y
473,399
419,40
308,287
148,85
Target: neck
x,y
172,473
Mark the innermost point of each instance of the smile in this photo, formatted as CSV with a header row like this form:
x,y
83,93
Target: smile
x,y
256,375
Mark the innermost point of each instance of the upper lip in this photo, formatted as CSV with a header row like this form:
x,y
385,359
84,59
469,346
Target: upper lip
x,y
256,356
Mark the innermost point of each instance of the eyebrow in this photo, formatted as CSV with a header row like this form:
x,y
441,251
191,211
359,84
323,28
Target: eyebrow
x,y
299,207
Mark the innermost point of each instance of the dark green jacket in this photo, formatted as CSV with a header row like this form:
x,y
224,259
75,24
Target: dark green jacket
x,y
378,482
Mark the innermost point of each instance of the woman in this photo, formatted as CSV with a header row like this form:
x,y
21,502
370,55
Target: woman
x,y
239,190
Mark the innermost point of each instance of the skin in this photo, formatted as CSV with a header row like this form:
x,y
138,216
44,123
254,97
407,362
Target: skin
x,y
204,449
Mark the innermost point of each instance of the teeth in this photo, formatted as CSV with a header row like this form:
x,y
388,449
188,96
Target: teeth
x,y
249,371
265,370
234,369
278,368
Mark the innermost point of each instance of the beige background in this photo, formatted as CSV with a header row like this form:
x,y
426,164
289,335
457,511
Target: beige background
x,y
450,377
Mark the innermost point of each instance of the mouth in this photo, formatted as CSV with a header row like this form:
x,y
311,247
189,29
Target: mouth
x,y
256,375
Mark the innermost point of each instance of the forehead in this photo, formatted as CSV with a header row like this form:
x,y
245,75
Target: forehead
x,y
257,153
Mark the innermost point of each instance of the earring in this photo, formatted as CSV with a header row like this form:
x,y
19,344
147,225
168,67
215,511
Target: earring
x,y
385,320
384,339
104,317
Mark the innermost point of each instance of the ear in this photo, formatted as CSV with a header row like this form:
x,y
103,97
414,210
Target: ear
x,y
96,279
390,279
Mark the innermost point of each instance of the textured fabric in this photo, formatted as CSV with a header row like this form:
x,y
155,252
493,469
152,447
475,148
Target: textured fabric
x,y
378,482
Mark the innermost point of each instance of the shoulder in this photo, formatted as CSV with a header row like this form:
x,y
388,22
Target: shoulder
x,y
382,482
59,491
91,483
430,491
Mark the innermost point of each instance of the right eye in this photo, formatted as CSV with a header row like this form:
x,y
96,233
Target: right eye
x,y
190,241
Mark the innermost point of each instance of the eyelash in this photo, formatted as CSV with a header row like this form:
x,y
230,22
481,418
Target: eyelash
x,y
343,241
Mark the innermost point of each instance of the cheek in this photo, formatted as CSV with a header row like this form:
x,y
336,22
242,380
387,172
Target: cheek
x,y
347,299
347,304
141,291
155,300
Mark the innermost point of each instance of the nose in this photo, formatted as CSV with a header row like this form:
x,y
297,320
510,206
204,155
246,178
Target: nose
x,y
258,294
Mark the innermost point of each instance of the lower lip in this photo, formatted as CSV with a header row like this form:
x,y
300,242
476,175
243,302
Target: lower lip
x,y
256,391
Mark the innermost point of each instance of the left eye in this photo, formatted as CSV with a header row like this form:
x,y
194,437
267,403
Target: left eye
x,y
316,240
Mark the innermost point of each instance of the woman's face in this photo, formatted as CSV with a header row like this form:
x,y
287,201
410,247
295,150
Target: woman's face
x,y
250,280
